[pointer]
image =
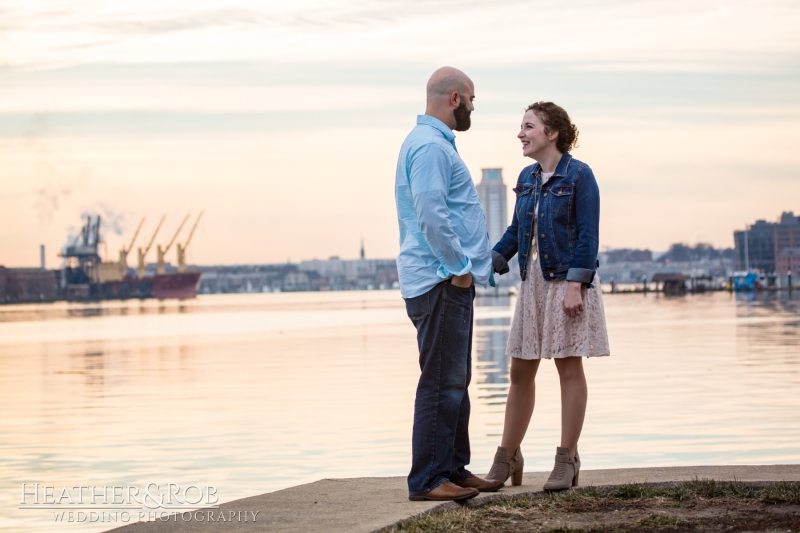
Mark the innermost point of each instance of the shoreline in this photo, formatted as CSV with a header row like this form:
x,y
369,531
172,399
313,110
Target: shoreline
x,y
368,505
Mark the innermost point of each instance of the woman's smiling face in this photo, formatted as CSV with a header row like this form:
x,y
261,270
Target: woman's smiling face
x,y
532,134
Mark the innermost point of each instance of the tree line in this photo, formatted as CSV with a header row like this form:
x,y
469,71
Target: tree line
x,y
677,253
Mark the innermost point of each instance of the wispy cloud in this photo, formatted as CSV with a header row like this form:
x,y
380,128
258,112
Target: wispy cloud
x,y
159,24
511,32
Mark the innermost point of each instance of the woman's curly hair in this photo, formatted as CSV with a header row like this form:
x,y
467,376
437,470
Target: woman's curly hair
x,y
555,118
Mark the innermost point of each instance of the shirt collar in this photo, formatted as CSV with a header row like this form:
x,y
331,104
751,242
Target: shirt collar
x,y
434,122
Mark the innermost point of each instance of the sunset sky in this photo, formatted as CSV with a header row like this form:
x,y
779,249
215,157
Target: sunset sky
x,y
283,120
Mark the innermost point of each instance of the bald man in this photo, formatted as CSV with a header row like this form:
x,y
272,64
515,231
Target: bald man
x,y
444,253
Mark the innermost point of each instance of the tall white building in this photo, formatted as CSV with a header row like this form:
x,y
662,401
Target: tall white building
x,y
492,193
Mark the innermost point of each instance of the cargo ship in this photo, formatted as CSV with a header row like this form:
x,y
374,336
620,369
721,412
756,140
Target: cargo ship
x,y
86,277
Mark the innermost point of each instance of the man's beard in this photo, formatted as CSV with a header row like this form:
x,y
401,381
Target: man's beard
x,y
461,114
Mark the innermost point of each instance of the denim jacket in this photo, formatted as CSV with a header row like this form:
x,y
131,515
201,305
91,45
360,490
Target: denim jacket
x,y
569,219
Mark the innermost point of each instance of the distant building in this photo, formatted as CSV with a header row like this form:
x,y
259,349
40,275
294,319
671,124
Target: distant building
x,y
758,252
27,285
302,281
787,233
759,246
788,261
492,194
246,278
317,275
353,273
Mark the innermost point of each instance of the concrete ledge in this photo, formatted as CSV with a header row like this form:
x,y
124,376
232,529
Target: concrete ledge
x,y
366,505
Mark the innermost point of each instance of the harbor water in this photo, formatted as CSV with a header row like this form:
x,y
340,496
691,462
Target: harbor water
x,y
252,393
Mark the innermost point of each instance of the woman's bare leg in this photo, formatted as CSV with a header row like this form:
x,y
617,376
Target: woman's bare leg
x,y
573,401
519,406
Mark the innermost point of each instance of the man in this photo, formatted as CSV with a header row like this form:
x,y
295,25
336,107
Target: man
x,y
444,251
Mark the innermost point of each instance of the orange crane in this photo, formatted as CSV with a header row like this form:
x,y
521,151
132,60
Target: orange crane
x,y
181,250
123,254
142,254
161,253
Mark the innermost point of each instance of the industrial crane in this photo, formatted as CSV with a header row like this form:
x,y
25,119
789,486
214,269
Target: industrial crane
x,y
161,253
123,254
142,254
181,250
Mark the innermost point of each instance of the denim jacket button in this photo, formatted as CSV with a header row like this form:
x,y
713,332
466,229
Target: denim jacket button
x,y
541,216
551,274
546,256
542,235
545,194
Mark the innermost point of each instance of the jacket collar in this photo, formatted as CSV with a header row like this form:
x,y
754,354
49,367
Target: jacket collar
x,y
435,123
561,167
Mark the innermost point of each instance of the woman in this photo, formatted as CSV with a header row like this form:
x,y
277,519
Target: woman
x,y
559,312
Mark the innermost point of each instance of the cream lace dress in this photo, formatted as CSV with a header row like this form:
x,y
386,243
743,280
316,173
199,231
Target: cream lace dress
x,y
540,329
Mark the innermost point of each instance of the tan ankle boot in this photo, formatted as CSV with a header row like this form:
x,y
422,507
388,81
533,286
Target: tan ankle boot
x,y
565,472
505,467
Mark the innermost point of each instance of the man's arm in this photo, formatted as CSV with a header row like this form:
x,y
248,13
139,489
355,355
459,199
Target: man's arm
x,y
429,181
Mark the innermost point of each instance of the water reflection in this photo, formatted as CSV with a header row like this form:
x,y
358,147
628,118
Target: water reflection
x,y
204,304
253,393
491,336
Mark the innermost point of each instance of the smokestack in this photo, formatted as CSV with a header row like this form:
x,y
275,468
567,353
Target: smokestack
x,y
41,256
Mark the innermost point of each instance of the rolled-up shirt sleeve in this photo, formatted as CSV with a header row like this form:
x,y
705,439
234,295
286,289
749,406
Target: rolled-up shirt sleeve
x,y
429,180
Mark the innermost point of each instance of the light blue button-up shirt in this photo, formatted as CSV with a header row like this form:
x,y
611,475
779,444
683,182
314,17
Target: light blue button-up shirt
x,y
442,226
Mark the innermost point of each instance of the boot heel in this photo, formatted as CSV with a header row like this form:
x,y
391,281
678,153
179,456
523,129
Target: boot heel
x,y
565,471
516,478
505,467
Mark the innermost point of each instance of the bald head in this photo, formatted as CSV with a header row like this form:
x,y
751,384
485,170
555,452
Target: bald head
x,y
447,80
450,95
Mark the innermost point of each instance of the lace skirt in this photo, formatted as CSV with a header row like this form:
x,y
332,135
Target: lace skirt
x,y
540,329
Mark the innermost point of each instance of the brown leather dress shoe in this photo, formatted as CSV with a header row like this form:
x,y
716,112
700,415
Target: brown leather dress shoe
x,y
445,492
483,485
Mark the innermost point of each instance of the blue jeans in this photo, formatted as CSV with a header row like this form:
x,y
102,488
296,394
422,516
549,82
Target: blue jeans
x,y
440,441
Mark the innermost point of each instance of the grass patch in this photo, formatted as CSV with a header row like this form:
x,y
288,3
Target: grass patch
x,y
773,493
632,508
781,493
660,520
457,521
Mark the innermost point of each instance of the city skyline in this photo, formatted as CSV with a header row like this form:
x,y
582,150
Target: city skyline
x,y
283,122
108,254
111,254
